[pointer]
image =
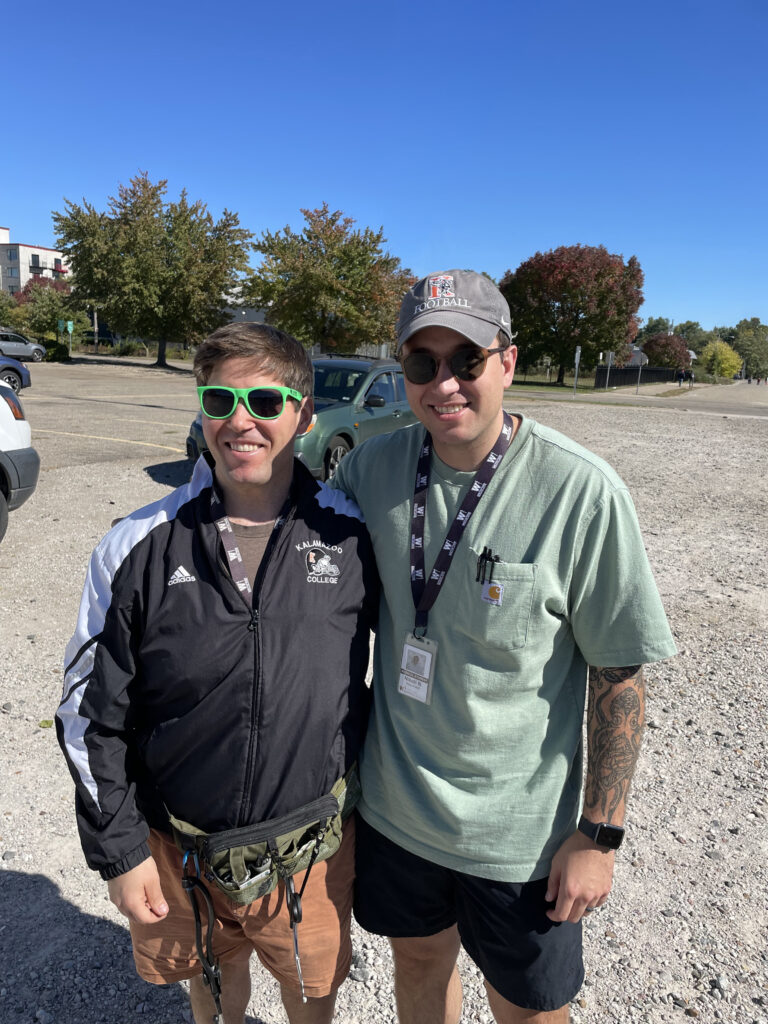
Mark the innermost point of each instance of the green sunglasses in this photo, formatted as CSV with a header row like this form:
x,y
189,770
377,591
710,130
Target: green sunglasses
x,y
219,402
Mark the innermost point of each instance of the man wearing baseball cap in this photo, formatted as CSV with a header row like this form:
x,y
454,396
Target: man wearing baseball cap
x,y
515,584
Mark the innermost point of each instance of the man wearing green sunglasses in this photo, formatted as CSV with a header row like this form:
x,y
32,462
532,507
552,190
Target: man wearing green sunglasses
x,y
216,683
512,571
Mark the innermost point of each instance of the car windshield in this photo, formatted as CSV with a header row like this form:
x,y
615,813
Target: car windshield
x,y
337,383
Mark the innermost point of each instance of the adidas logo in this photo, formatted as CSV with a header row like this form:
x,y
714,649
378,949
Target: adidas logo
x,y
181,576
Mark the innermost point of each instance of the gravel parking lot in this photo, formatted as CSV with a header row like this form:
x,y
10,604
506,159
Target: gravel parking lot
x,y
685,932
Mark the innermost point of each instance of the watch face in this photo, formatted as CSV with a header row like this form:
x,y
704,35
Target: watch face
x,y
609,836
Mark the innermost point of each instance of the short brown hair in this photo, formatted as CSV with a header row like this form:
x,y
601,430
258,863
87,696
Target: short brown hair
x,y
276,353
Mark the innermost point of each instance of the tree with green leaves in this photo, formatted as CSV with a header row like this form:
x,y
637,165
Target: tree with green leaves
x,y
719,359
43,309
667,350
652,326
37,309
574,295
726,334
751,342
155,269
693,334
8,307
330,284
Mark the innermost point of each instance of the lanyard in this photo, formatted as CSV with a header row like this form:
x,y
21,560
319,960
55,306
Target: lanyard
x,y
425,591
236,564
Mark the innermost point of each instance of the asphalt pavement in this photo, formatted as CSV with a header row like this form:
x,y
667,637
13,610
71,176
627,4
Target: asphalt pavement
x,y
93,410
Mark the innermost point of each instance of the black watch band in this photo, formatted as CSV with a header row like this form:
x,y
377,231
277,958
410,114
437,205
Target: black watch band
x,y
610,837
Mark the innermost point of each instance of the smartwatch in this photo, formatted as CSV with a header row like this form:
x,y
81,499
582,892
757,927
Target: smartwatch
x,y
610,837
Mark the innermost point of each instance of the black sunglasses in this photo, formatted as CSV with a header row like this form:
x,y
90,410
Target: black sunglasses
x,y
465,364
219,402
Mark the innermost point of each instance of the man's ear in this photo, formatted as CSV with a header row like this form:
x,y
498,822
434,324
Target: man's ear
x,y
305,414
509,359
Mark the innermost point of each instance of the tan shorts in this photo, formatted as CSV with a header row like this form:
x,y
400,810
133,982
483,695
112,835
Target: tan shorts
x,y
166,951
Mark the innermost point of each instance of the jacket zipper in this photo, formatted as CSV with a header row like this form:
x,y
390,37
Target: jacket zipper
x,y
254,627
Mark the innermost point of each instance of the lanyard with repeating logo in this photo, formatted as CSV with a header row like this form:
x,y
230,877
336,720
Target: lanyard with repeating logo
x,y
417,665
236,564
425,591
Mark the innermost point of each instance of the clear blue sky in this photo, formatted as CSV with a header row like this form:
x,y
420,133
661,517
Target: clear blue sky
x,y
475,133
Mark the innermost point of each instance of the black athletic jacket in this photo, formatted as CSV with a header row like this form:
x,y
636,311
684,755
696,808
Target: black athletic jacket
x,y
180,694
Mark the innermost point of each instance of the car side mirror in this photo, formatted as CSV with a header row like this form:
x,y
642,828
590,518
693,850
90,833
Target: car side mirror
x,y
375,401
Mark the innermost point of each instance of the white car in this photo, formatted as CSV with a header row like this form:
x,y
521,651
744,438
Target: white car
x,y
19,462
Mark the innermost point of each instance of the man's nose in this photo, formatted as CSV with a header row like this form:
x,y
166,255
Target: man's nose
x,y
444,379
241,418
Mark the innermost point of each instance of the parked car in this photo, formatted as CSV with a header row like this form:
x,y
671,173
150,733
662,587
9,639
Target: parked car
x,y
17,346
19,462
14,374
355,398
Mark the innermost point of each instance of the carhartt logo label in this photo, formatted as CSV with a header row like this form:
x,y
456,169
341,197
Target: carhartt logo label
x,y
441,287
181,576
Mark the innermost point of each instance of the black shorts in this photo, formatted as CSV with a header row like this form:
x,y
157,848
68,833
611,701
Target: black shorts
x,y
531,961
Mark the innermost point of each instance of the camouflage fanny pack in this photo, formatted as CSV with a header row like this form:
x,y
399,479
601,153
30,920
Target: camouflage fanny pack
x,y
246,863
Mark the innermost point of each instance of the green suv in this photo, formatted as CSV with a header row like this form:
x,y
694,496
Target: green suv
x,y
355,398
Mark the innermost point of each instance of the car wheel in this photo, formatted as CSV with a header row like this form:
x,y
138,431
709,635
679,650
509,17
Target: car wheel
x,y
12,379
3,515
37,356
337,449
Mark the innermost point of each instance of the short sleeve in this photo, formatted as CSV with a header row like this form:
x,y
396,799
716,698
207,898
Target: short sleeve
x,y
614,608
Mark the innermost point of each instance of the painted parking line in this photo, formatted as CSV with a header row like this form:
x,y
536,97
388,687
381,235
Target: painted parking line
x,y
117,440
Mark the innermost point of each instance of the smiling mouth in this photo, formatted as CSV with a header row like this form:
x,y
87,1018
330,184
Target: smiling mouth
x,y
240,446
447,410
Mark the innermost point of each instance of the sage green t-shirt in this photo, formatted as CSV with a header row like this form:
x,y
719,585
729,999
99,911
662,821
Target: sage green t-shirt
x,y
486,778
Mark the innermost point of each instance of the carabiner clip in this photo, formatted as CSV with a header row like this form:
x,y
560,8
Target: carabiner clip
x,y
187,855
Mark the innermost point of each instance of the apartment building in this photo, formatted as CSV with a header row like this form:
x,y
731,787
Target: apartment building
x,y
20,263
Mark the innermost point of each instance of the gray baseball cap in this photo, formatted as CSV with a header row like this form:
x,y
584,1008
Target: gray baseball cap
x,y
463,300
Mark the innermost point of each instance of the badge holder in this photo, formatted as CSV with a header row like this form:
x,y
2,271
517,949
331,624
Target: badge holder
x,y
417,668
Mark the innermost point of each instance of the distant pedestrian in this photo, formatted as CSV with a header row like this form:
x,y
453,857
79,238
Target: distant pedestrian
x,y
680,378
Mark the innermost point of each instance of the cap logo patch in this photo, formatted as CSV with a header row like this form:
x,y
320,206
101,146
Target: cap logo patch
x,y
441,287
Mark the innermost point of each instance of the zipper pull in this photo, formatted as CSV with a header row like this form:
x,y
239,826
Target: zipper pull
x,y
254,620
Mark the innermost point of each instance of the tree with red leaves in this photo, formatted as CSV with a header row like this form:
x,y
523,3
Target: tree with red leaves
x,y
667,350
574,295
31,290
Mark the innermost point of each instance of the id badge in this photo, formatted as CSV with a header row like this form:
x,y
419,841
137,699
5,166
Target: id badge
x,y
417,668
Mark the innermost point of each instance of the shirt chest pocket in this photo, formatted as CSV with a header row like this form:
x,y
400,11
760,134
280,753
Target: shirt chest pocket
x,y
497,613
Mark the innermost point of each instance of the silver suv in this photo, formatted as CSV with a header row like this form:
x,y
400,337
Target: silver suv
x,y
18,347
19,462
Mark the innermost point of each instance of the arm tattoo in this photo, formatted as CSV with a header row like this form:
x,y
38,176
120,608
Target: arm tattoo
x,y
615,722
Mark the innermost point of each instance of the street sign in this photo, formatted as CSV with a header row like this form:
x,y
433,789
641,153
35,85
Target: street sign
x,y
70,325
61,326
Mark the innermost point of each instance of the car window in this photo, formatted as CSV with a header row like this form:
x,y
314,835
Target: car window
x,y
337,383
400,386
383,386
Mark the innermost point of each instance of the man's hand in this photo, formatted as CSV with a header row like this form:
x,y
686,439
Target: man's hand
x,y
581,877
137,894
